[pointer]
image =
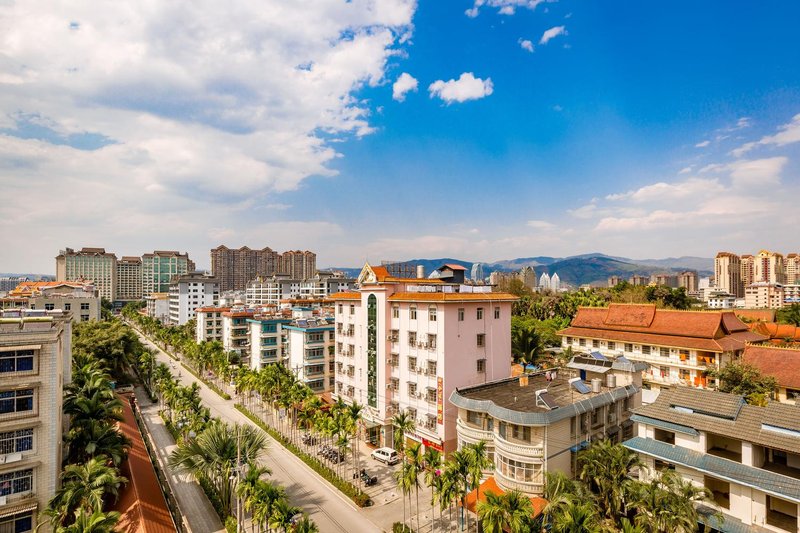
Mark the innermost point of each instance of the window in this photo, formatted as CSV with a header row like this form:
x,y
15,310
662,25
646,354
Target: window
x,y
432,367
645,350
412,364
595,343
49,307
412,389
582,342
17,523
16,482
412,312
481,366
481,339
430,395
522,433
412,338
664,352
394,335
473,418
432,313
395,311
461,314
352,309
496,312
20,440
569,340
67,307
340,308
16,361
480,313
16,401
85,306
517,470
431,341
628,347
84,318
394,359
612,345
394,384
412,412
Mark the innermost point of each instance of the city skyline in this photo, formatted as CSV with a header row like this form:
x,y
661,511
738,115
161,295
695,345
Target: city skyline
x,y
479,130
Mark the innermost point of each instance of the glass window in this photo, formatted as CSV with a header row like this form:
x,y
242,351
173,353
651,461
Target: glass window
x,y
412,311
17,482
461,314
595,343
20,440
497,312
395,311
481,366
16,361
431,341
432,313
481,339
645,350
612,345
628,347
582,342
664,352
17,523
479,313
412,364
85,306
16,401
352,309
412,337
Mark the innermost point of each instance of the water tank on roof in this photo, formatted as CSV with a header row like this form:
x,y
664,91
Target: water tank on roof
x,y
597,385
611,380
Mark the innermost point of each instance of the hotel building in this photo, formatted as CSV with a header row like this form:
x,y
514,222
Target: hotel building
x,y
679,346
270,291
129,278
535,423
728,273
35,358
89,264
747,456
405,344
159,267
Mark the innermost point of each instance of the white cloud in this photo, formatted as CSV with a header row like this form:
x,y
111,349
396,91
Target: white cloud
x,y
757,172
552,33
504,7
702,144
540,224
662,191
404,83
686,170
787,134
466,87
526,44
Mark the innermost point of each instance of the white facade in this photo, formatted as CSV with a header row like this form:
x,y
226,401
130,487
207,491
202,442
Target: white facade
x,y
555,282
268,341
157,306
311,352
270,291
763,295
208,323
720,300
35,358
189,292
544,281
406,344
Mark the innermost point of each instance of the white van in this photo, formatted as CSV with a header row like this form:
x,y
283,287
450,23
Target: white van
x,y
386,455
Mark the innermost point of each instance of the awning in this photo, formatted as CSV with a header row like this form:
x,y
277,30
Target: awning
x,y
16,347
369,424
490,485
580,446
10,510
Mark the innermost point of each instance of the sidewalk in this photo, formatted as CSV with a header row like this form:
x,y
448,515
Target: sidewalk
x,y
193,503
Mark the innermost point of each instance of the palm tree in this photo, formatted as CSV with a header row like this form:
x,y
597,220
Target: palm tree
x,y
492,513
282,514
416,467
448,492
406,480
606,467
519,511
354,413
577,517
94,522
305,525
262,502
526,344
248,485
214,453
478,462
96,437
84,486
458,470
432,461
402,423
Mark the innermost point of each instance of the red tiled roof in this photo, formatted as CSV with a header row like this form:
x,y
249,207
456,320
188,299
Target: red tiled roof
x,y
490,485
761,315
212,309
381,273
452,266
715,331
778,332
346,296
141,502
781,363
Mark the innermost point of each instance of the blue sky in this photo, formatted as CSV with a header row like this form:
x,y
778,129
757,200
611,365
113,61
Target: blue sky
x,y
534,128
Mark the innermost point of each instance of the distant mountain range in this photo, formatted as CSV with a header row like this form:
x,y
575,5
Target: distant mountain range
x,y
577,269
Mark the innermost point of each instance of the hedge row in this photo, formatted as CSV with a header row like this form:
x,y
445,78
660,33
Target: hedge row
x,y
358,496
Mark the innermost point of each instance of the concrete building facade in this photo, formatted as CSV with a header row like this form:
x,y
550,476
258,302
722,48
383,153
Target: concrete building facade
x,y
763,295
188,292
159,267
728,273
311,345
89,264
270,291
35,358
406,344
129,278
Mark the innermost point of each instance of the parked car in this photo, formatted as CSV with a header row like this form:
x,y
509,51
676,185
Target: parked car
x,y
386,455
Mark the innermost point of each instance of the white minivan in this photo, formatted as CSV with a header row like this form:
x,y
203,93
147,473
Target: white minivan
x,y
386,455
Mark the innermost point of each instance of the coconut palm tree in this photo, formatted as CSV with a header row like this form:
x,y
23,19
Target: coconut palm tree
x,y
432,461
94,438
448,492
91,522
416,466
492,513
262,502
519,511
459,468
281,517
305,525
606,468
577,517
526,344
402,423
84,486
406,480
214,453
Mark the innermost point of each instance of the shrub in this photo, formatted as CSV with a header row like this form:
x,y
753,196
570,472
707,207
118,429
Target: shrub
x,y
358,496
230,525
397,527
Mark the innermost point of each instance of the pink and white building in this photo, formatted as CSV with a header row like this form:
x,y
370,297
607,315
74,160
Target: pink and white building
x,y
406,344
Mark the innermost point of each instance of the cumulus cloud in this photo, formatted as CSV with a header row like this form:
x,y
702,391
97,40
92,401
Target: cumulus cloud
x,y
552,33
526,44
504,7
184,108
702,144
466,87
787,134
404,84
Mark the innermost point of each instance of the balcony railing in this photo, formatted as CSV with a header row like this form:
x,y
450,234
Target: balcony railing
x,y
525,451
472,434
523,486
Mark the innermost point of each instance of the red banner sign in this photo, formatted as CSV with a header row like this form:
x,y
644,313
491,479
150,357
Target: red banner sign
x,y
440,401
431,444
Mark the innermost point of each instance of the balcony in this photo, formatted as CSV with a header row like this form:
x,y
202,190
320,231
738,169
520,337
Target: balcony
x,y
530,488
525,451
473,435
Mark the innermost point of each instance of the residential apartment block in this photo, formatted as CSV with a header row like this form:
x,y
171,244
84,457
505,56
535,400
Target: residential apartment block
x,y
9,283
298,264
235,268
311,344
269,343
208,323
35,358
793,269
159,267
728,273
236,330
763,295
405,344
270,291
188,292
536,423
747,456
679,346
79,299
129,278
157,306
89,264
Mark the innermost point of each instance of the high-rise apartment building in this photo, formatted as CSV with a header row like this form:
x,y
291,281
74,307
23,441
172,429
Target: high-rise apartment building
x,y
9,283
129,278
159,267
477,274
235,268
666,279
637,279
793,269
89,264
35,358
688,280
728,273
769,268
188,292
528,277
406,344
748,266
298,264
